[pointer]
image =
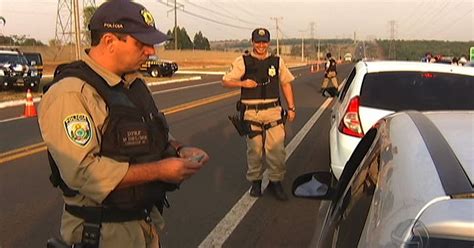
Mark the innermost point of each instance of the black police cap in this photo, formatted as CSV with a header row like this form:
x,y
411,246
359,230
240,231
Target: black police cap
x,y
127,17
261,35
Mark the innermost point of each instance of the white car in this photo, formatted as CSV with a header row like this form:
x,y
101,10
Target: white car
x,y
376,89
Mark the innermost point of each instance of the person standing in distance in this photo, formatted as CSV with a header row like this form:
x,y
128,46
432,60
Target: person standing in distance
x,y
260,75
330,73
109,146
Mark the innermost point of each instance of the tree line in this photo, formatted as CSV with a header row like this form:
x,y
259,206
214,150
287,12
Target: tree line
x,y
416,49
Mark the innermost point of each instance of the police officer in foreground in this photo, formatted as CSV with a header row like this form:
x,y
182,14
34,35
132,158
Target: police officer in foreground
x,y
109,147
260,75
330,74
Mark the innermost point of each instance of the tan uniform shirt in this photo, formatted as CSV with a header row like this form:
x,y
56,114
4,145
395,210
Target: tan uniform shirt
x,y
238,70
72,119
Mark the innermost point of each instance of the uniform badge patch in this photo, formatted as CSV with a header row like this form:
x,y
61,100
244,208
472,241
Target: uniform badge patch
x,y
78,129
271,71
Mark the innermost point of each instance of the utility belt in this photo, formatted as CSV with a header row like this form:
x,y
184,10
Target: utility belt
x,y
240,106
243,126
93,218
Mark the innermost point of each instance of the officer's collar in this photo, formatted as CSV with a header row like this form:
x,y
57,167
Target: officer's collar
x,y
111,78
258,56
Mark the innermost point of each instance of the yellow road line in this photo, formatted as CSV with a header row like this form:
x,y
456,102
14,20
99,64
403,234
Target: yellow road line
x,y
200,102
22,152
39,147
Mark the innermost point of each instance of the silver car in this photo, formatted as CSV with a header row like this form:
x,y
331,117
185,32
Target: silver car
x,y
408,183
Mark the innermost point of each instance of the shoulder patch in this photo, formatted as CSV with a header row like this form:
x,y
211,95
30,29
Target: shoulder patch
x,y
78,129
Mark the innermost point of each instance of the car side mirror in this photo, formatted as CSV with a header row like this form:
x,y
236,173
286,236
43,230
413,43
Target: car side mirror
x,y
315,185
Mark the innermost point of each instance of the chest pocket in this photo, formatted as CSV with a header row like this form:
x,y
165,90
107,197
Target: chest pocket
x,y
133,138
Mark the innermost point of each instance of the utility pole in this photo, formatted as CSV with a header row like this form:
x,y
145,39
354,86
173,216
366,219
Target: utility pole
x,y
319,49
175,27
67,11
77,29
175,9
302,44
311,30
391,50
277,31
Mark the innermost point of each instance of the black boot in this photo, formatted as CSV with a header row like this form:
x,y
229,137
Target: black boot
x,y
278,191
256,189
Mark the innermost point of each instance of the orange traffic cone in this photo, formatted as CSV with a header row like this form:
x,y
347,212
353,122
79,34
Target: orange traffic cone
x,y
30,110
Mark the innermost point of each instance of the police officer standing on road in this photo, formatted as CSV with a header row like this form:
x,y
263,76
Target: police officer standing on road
x,y
330,73
109,147
260,76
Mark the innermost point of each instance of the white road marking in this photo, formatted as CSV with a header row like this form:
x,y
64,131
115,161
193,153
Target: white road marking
x,y
185,87
226,226
12,119
174,81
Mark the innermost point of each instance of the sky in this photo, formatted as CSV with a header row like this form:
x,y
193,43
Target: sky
x,y
451,20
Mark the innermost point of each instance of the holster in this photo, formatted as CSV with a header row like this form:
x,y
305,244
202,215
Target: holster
x,y
242,126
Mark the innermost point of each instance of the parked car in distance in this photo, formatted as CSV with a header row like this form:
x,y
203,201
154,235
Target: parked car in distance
x,y
35,62
377,88
348,57
156,67
15,68
408,183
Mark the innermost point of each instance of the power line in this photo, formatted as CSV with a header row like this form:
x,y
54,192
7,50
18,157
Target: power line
x,y
209,19
460,18
429,19
230,16
412,13
248,11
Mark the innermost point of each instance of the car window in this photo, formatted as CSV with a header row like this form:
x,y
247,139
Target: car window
x,y
34,57
354,162
421,91
343,199
10,58
354,207
347,84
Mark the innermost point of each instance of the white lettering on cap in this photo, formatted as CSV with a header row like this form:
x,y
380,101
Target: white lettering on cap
x,y
113,25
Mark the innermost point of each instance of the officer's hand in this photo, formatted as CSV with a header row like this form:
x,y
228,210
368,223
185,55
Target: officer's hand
x,y
193,153
249,83
291,115
176,170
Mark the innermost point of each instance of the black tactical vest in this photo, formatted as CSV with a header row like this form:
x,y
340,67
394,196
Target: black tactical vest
x,y
332,65
136,132
265,73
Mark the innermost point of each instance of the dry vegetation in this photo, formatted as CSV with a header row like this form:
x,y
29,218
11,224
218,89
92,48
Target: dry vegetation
x,y
186,59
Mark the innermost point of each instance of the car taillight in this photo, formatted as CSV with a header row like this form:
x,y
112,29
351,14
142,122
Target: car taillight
x,y
350,122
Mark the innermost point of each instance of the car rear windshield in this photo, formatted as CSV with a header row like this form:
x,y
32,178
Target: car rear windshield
x,y
417,91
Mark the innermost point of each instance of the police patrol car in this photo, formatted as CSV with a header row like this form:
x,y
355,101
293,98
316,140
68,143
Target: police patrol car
x,y
15,70
156,67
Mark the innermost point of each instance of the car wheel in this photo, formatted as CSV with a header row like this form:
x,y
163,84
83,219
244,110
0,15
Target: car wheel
x,y
154,72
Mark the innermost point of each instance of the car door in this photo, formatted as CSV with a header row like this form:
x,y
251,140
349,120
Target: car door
x,y
353,196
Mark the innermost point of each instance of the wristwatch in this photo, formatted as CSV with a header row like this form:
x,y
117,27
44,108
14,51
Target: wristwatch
x,y
293,109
